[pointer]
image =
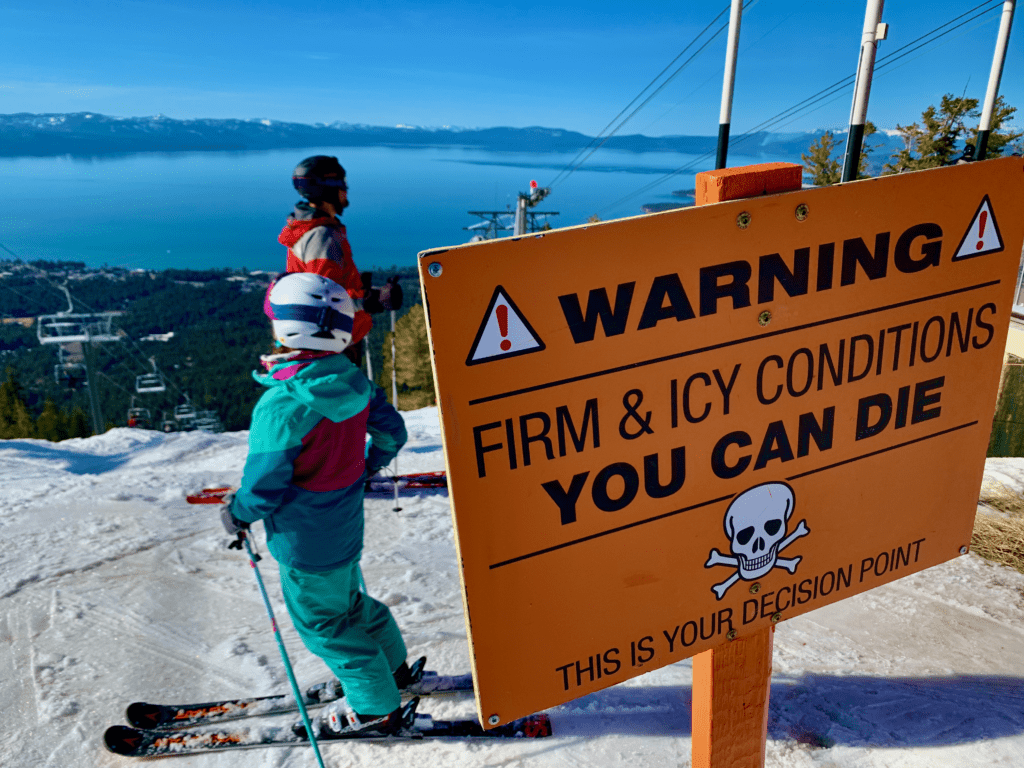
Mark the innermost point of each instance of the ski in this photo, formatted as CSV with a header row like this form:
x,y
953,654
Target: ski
x,y
164,717
135,742
209,495
412,481
376,484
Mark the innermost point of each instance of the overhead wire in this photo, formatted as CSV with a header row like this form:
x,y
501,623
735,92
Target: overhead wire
x,y
576,162
834,90
889,71
881,64
718,74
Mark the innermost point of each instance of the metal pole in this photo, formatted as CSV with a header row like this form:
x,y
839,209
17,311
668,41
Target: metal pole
x,y
284,653
520,223
725,116
985,127
94,404
862,89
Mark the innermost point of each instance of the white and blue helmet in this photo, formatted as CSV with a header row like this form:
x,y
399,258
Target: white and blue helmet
x,y
310,311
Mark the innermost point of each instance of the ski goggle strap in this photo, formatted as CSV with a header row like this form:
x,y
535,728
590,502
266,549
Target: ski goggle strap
x,y
307,184
325,318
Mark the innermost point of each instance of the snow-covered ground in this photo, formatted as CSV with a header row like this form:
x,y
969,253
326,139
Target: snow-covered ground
x,y
113,589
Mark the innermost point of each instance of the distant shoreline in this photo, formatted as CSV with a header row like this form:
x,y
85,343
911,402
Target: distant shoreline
x,y
88,134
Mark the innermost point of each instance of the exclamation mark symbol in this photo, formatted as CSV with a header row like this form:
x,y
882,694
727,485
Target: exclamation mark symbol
x,y
982,220
502,312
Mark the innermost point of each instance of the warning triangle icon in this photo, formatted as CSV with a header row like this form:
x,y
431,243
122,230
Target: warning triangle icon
x,y
982,236
504,332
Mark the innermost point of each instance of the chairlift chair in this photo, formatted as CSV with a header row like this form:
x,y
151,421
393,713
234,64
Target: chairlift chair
x,y
68,326
209,424
185,412
69,374
208,421
167,424
139,417
150,382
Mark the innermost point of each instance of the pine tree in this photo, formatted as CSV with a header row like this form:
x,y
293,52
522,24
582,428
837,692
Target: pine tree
x,y
824,160
412,354
866,150
821,169
78,423
938,139
998,141
15,419
52,423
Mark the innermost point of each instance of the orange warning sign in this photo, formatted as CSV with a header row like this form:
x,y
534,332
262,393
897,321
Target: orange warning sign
x,y
738,413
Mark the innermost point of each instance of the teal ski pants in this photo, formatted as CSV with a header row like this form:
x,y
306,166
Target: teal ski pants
x,y
354,634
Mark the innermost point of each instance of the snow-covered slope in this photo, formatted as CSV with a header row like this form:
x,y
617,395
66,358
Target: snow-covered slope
x,y
112,589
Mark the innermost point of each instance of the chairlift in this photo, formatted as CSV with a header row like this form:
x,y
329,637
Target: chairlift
x,y
150,382
69,326
185,413
69,374
70,371
139,417
208,421
167,424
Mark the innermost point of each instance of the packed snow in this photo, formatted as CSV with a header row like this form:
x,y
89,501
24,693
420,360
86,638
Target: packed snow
x,y
114,589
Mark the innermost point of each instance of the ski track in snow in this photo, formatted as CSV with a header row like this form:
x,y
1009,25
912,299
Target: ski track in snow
x,y
113,589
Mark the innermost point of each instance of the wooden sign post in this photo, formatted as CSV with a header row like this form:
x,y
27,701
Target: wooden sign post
x,y
732,682
666,434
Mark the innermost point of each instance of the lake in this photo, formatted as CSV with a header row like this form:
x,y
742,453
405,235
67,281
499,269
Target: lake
x,y
225,209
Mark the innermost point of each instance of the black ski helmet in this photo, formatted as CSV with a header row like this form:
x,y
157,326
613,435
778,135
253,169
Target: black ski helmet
x,y
319,177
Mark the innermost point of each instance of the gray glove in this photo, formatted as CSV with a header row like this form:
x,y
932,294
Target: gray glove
x,y
232,524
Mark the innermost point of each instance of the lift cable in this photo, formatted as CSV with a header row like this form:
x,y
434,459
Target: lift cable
x,y
576,162
833,90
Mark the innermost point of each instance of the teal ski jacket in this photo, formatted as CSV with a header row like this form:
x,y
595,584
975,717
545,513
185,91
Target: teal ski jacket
x,y
308,459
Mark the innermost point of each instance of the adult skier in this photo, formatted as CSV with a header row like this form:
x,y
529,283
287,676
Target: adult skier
x,y
316,239
304,478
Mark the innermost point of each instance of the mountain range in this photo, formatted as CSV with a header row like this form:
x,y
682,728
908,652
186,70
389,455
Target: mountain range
x,y
89,134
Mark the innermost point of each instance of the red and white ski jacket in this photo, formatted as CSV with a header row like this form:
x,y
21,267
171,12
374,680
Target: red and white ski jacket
x,y
317,243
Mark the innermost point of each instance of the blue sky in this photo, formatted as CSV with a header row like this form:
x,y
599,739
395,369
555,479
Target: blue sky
x,y
569,64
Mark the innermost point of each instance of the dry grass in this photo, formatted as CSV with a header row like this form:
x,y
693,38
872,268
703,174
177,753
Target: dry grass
x,y
999,539
999,536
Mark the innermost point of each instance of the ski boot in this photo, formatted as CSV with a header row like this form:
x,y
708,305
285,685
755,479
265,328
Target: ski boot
x,y
341,723
408,679
325,692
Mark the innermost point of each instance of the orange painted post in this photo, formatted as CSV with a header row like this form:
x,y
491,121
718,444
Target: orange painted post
x,y
732,683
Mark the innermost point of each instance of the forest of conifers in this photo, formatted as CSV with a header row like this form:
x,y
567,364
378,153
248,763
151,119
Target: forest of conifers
x,y
219,332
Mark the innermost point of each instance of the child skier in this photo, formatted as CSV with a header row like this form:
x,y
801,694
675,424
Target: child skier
x,y
316,240
304,478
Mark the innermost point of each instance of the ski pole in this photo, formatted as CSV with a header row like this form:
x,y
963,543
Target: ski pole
x,y
284,654
394,399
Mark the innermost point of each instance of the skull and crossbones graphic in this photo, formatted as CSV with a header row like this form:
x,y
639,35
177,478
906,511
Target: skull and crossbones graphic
x,y
756,525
